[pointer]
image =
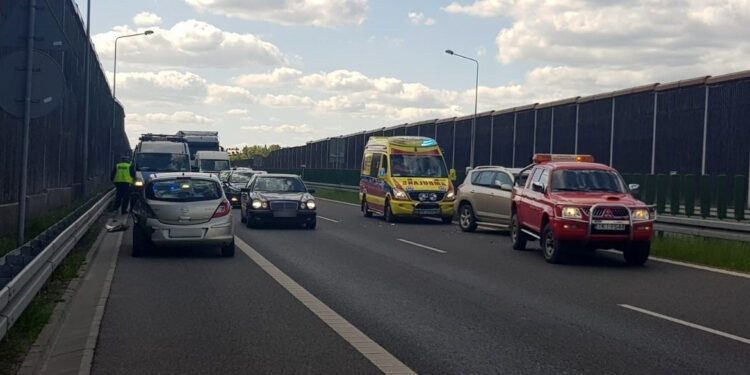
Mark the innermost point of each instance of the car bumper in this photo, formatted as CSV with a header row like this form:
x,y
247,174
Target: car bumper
x,y
410,208
207,234
268,217
578,231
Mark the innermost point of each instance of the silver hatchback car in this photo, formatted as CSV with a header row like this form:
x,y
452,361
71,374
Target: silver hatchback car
x,y
484,198
182,209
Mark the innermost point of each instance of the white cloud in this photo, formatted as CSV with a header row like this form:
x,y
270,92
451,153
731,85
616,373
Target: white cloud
x,y
420,19
188,43
145,19
237,112
325,13
275,77
286,101
162,86
284,128
228,94
142,121
346,80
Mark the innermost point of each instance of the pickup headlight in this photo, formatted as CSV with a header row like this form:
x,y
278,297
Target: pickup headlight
x,y
640,214
571,213
400,194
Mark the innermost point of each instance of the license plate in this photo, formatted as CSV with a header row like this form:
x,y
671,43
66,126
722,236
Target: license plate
x,y
186,233
427,211
610,227
285,213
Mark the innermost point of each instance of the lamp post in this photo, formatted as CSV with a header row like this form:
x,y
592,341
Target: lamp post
x,y
476,97
114,90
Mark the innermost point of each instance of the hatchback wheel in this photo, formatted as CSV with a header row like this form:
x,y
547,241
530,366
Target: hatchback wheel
x,y
553,249
466,219
517,236
141,244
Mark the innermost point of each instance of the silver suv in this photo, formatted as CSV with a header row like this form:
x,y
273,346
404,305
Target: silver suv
x,y
182,209
484,198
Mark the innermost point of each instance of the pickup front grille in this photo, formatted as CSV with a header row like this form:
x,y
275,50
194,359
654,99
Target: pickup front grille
x,y
610,213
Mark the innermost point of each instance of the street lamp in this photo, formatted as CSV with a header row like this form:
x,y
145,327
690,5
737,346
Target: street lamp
x,y
476,96
114,90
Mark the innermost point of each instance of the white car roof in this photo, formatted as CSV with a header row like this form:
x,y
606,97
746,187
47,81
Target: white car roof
x,y
168,175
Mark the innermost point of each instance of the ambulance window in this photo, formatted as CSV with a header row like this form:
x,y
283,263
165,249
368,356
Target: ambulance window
x,y
375,166
384,164
366,163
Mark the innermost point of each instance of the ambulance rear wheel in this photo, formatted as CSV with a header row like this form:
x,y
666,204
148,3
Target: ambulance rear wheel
x,y
366,208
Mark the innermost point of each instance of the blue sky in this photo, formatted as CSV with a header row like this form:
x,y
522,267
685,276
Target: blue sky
x,y
262,71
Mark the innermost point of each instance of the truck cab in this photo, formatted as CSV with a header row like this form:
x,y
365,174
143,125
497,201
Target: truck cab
x,y
569,202
211,161
153,156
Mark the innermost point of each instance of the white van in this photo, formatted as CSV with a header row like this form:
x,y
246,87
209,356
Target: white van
x,y
211,161
159,156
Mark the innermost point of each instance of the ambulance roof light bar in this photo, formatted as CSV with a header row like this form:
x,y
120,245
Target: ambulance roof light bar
x,y
543,158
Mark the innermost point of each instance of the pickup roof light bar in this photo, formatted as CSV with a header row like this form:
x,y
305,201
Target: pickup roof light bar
x,y
543,158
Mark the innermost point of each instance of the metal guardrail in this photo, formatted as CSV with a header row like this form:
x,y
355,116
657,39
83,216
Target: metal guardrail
x,y
713,228
26,269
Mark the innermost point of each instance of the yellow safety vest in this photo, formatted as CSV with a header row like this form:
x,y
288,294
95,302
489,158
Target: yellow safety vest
x,y
122,173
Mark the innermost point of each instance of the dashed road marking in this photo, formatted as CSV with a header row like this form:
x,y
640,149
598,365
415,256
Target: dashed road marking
x,y
375,353
687,324
327,219
422,246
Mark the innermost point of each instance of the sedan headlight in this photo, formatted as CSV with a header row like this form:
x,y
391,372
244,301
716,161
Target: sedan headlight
x,y
400,194
257,203
310,205
571,213
640,214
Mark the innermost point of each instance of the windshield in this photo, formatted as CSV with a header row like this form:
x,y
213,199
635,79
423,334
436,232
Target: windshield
x,y
157,162
213,165
183,190
418,166
240,177
279,185
587,180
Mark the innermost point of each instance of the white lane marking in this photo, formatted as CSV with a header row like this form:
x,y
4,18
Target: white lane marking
x,y
375,353
335,201
422,246
325,218
688,324
690,265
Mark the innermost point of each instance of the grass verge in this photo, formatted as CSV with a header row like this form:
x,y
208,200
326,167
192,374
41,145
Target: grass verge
x,y
22,335
337,195
731,255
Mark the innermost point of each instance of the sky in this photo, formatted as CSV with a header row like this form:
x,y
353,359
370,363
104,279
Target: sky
x,y
291,71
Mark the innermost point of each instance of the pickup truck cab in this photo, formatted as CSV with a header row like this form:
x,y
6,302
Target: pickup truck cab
x,y
569,202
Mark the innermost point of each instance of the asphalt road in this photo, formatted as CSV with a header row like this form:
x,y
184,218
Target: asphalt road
x,y
459,303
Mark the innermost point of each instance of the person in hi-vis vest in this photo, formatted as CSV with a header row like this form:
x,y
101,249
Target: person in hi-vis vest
x,y
122,177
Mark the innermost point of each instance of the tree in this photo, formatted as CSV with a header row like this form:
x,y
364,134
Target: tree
x,y
250,152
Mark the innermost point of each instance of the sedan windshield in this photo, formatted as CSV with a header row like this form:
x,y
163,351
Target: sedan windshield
x,y
418,166
279,185
587,180
214,165
240,177
157,162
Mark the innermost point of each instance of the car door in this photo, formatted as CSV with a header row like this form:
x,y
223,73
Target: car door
x,y
480,193
500,201
536,201
526,199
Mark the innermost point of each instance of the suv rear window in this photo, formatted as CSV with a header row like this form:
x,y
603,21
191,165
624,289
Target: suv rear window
x,y
183,190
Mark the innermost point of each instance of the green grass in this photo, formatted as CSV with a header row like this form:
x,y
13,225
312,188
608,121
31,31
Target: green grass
x,y
343,196
21,336
731,255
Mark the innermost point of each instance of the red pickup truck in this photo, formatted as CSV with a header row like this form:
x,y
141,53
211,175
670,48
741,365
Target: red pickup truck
x,y
568,202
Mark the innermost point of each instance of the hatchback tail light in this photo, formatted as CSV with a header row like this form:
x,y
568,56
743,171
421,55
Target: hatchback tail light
x,y
223,209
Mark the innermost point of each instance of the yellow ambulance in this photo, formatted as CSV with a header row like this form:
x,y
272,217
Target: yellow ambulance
x,y
406,177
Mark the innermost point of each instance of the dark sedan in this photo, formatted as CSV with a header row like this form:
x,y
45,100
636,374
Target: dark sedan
x,y
278,198
235,180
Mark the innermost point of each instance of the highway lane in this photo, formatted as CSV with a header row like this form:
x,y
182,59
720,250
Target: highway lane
x,y
188,311
480,307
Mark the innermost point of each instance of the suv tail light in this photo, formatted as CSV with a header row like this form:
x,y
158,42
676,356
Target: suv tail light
x,y
223,209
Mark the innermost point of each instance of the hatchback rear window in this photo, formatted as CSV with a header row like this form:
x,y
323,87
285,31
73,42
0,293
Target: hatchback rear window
x,y
183,190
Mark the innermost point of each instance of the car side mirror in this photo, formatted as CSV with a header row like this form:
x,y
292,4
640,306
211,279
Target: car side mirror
x,y
311,191
634,188
452,174
537,187
506,187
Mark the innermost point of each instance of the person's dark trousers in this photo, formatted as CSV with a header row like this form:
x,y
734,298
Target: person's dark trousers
x,y
122,198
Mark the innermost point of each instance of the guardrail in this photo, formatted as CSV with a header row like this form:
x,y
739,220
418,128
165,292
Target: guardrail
x,y
723,229
26,269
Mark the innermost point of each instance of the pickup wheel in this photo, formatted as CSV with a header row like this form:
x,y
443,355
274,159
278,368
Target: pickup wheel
x,y
637,254
365,207
466,219
553,250
516,235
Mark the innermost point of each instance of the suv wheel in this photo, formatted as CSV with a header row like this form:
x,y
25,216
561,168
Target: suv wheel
x,y
466,219
516,235
637,254
387,213
365,207
227,251
553,250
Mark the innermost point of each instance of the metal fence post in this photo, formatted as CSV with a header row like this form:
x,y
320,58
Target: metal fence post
x,y
86,109
513,157
533,142
552,131
705,132
26,124
653,135
612,133
575,147
492,135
